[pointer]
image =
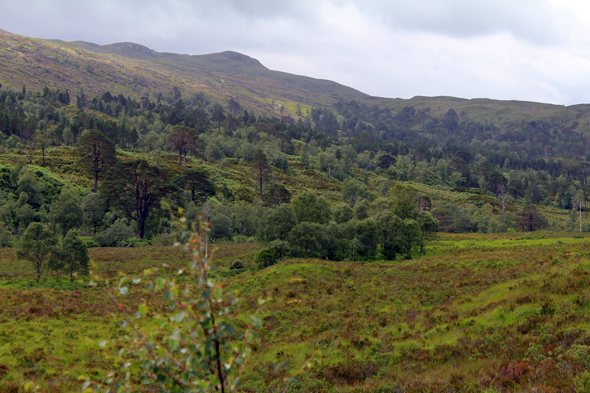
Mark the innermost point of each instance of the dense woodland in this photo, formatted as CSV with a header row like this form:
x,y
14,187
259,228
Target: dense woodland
x,y
508,172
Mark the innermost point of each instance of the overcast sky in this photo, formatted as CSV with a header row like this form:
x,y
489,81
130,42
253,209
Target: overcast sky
x,y
534,50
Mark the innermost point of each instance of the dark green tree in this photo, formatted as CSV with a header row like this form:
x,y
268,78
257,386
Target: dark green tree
x,y
277,223
197,181
367,235
66,212
409,237
74,254
5,235
352,191
42,141
218,117
450,120
404,201
261,169
308,238
97,154
182,139
494,181
343,213
94,208
307,207
388,229
427,223
530,219
277,194
37,245
136,188
220,227
29,185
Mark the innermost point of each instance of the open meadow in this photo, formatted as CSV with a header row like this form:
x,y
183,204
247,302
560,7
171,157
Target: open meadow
x,y
504,313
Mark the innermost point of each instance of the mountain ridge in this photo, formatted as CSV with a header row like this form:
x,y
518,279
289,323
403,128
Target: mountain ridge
x,y
133,69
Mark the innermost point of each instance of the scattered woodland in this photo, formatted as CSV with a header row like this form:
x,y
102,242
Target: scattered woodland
x,y
432,244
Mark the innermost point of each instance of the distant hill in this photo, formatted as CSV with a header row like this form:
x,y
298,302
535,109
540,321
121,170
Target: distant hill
x,y
134,69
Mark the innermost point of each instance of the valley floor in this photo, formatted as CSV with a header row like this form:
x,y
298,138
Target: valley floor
x,y
496,313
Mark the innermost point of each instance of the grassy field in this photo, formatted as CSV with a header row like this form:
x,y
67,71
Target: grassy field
x,y
505,313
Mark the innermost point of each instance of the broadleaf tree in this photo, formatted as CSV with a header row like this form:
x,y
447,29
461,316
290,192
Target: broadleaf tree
x,y
74,254
37,245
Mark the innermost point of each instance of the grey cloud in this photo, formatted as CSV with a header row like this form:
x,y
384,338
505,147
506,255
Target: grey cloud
x,y
466,48
533,20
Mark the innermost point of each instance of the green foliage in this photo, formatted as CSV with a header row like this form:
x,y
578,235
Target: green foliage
x,y
201,347
5,235
67,212
280,247
197,181
361,210
389,226
136,188
307,207
277,223
308,239
38,245
352,191
221,227
261,168
266,257
410,236
29,188
404,199
427,223
277,194
237,264
96,153
115,235
342,213
73,254
94,208
530,219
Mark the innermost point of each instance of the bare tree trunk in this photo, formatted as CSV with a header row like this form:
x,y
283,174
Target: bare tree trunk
x,y
580,216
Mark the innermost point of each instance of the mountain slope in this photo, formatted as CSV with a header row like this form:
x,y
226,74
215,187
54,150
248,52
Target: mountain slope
x,y
136,70
133,69
229,63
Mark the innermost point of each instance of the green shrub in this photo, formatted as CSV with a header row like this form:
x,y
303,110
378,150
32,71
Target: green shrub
x,y
266,257
135,242
90,243
237,264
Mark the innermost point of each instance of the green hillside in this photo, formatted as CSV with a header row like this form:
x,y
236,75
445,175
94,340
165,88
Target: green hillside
x,y
136,70
433,244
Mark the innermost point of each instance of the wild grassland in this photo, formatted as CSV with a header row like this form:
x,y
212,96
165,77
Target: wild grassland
x,y
504,312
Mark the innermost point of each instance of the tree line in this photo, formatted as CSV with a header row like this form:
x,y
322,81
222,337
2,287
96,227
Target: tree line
x,y
125,196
